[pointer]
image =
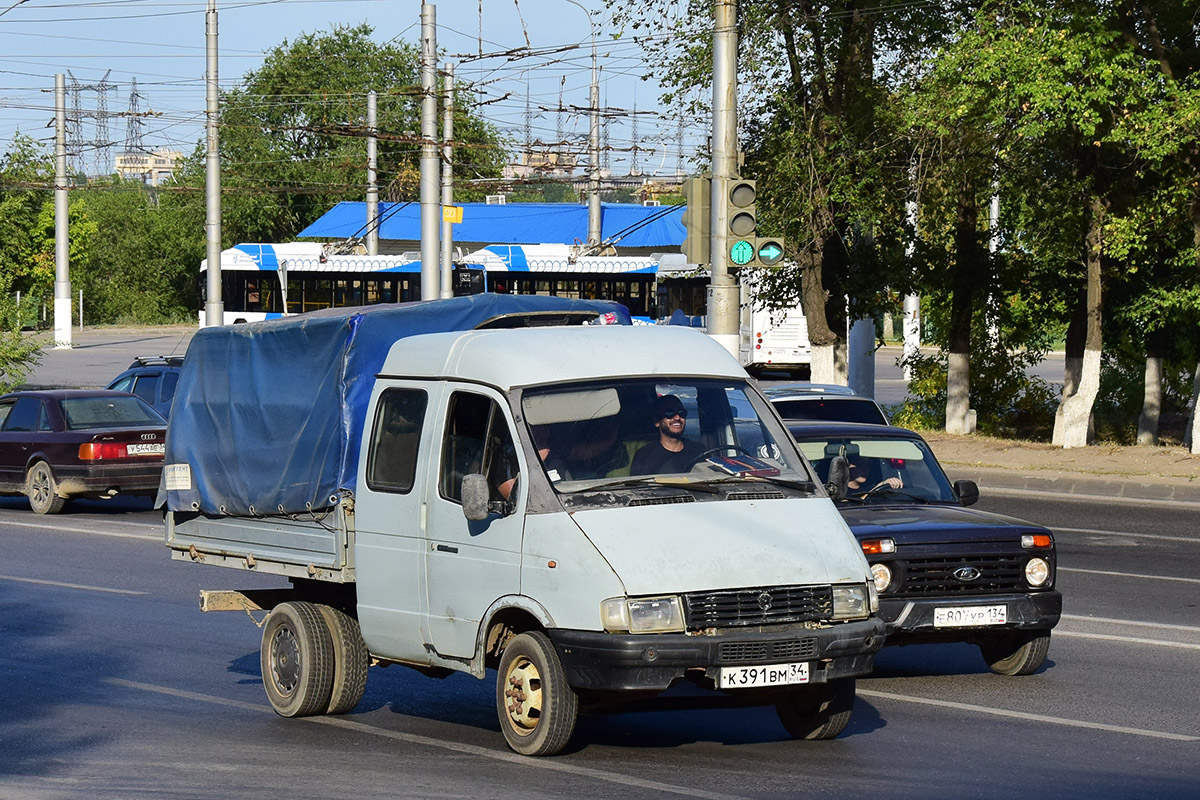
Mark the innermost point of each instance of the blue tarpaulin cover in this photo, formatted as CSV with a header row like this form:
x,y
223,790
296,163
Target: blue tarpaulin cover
x,y
269,415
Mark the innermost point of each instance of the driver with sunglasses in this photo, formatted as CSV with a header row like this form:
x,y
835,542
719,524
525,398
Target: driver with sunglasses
x,y
671,452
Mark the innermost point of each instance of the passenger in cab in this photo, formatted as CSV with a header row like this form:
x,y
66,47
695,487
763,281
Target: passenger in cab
x,y
671,452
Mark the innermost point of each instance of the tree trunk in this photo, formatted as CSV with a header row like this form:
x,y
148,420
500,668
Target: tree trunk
x,y
1191,434
813,299
967,258
1075,411
1152,398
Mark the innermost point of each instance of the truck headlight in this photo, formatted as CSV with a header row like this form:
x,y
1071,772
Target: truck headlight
x,y
642,615
1037,571
850,602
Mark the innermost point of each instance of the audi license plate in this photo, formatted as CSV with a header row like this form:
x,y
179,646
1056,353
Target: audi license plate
x,y
145,449
764,675
969,616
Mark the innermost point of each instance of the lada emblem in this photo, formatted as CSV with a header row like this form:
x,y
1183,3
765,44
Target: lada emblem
x,y
764,601
967,574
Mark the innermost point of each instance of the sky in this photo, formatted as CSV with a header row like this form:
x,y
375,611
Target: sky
x,y
160,44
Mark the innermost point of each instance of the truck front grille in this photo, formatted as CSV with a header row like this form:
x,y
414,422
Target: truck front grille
x,y
997,573
769,605
766,652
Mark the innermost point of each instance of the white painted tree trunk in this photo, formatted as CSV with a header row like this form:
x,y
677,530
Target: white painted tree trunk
x,y
958,394
1074,414
1191,437
1151,403
912,330
823,369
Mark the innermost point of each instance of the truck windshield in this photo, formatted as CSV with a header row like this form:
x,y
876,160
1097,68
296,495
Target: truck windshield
x,y
592,434
881,470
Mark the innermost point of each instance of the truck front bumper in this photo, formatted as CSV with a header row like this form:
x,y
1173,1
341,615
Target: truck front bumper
x,y
909,619
641,662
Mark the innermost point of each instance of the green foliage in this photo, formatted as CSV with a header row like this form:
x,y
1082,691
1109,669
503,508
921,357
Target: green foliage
x,y
26,256
18,352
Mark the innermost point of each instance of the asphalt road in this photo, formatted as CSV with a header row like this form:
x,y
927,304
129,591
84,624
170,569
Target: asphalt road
x,y
113,684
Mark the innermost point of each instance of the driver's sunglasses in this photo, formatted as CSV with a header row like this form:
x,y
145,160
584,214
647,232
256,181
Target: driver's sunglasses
x,y
669,413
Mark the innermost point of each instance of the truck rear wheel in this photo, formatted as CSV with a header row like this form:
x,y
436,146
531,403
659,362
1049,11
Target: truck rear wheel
x,y
819,711
537,707
1019,653
350,660
297,660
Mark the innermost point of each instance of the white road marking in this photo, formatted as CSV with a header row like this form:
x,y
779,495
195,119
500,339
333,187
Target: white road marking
x,y
428,741
83,586
1163,625
1100,532
999,712
66,529
1129,575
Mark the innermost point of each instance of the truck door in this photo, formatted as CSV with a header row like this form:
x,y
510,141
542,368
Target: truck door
x,y
470,564
389,545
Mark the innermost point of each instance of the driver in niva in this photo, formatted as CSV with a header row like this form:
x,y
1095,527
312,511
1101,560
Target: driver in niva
x,y
670,452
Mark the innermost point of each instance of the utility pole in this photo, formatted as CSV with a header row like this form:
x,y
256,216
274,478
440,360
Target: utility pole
x,y
62,244
594,232
723,304
372,177
448,183
430,281
214,306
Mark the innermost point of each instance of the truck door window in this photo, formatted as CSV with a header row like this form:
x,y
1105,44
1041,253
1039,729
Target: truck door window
x,y
477,440
392,461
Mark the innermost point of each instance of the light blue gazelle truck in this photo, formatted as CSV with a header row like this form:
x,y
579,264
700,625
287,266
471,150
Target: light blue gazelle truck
x,y
456,486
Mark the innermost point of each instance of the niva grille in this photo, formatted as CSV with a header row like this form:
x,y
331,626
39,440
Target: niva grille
x,y
766,652
997,573
770,605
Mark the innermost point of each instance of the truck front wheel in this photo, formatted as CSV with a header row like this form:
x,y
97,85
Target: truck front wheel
x,y
297,660
820,711
1020,653
537,707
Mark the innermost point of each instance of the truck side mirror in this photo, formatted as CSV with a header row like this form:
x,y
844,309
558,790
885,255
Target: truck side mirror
x,y
475,496
839,477
967,491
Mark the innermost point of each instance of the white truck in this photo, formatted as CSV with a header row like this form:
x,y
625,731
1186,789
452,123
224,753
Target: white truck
x,y
775,340
487,513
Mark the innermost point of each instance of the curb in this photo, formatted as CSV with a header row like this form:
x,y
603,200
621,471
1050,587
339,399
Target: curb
x,y
1092,487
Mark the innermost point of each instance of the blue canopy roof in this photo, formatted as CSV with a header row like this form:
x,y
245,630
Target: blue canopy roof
x,y
514,223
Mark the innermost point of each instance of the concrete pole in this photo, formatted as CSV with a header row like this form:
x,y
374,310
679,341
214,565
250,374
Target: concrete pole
x,y
62,242
993,322
214,306
448,183
372,176
722,291
912,303
594,232
430,280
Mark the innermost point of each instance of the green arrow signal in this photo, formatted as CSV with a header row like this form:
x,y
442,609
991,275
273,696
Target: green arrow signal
x,y
741,253
770,252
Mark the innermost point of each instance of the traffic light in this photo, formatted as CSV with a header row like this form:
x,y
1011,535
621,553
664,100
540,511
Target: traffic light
x,y
742,221
696,219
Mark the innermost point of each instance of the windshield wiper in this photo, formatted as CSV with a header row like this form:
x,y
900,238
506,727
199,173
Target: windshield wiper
x,y
652,480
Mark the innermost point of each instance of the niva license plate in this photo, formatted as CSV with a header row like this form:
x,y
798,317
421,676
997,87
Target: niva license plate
x,y
764,675
969,616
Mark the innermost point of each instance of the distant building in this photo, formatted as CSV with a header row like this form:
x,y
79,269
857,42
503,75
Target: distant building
x,y
151,168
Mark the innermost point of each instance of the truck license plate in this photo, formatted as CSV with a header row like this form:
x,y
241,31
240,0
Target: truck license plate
x,y
764,675
145,449
969,616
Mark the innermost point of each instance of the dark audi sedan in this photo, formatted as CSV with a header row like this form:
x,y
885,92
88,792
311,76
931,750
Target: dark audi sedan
x,y
945,572
66,443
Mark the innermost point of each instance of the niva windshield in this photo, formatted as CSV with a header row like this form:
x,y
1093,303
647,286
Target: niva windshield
x,y
881,470
589,435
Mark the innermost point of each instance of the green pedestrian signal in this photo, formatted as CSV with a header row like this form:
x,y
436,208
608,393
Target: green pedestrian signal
x,y
741,252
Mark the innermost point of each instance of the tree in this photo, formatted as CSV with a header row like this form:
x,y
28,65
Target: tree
x,y
26,173
18,353
293,135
